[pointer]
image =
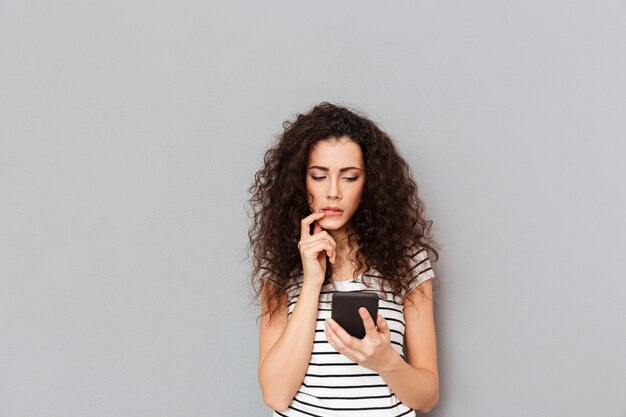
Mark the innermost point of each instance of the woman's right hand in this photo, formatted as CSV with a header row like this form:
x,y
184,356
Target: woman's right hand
x,y
314,248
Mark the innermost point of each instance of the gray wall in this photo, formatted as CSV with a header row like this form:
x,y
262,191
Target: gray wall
x,y
130,130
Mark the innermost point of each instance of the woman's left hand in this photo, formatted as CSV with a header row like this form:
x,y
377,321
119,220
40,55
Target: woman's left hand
x,y
374,351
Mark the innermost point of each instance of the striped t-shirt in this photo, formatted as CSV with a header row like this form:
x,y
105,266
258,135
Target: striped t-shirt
x,y
333,384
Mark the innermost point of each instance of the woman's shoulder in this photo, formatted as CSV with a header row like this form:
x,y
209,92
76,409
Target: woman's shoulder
x,y
294,284
417,251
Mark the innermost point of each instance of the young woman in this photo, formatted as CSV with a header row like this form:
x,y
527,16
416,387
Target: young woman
x,y
336,209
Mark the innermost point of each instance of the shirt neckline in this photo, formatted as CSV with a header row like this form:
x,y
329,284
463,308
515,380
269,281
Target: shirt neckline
x,y
354,280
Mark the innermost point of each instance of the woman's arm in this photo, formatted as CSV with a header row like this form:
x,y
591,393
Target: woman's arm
x,y
416,383
285,347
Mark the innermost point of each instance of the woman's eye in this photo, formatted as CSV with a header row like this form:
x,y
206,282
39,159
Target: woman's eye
x,y
347,178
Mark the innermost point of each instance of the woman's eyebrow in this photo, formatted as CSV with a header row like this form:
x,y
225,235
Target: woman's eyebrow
x,y
341,170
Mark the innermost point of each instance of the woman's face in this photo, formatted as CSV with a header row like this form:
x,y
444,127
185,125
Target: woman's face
x,y
335,177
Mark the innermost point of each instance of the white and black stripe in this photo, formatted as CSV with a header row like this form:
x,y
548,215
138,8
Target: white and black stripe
x,y
333,384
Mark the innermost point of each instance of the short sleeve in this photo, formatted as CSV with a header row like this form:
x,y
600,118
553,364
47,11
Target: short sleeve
x,y
269,280
421,270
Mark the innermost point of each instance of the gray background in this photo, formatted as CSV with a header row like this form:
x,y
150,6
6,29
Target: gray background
x,y
130,131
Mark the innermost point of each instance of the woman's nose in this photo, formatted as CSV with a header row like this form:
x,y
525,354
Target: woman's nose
x,y
333,189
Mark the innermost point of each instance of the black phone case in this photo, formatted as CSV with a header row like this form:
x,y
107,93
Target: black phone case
x,y
345,310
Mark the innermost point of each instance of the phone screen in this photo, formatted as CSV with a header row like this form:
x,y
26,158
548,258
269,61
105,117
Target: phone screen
x,y
345,310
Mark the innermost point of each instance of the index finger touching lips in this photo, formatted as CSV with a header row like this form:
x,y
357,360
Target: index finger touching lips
x,y
305,224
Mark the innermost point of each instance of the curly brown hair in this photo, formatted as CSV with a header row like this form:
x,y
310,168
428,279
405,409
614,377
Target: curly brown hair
x,y
385,229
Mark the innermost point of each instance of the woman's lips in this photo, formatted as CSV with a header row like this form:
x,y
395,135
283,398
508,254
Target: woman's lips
x,y
332,212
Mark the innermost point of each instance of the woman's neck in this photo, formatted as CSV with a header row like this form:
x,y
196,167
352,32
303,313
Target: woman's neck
x,y
343,268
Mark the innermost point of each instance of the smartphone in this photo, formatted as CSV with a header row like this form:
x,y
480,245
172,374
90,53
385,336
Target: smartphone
x,y
345,310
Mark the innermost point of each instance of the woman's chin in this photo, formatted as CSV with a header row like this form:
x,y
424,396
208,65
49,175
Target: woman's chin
x,y
330,224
